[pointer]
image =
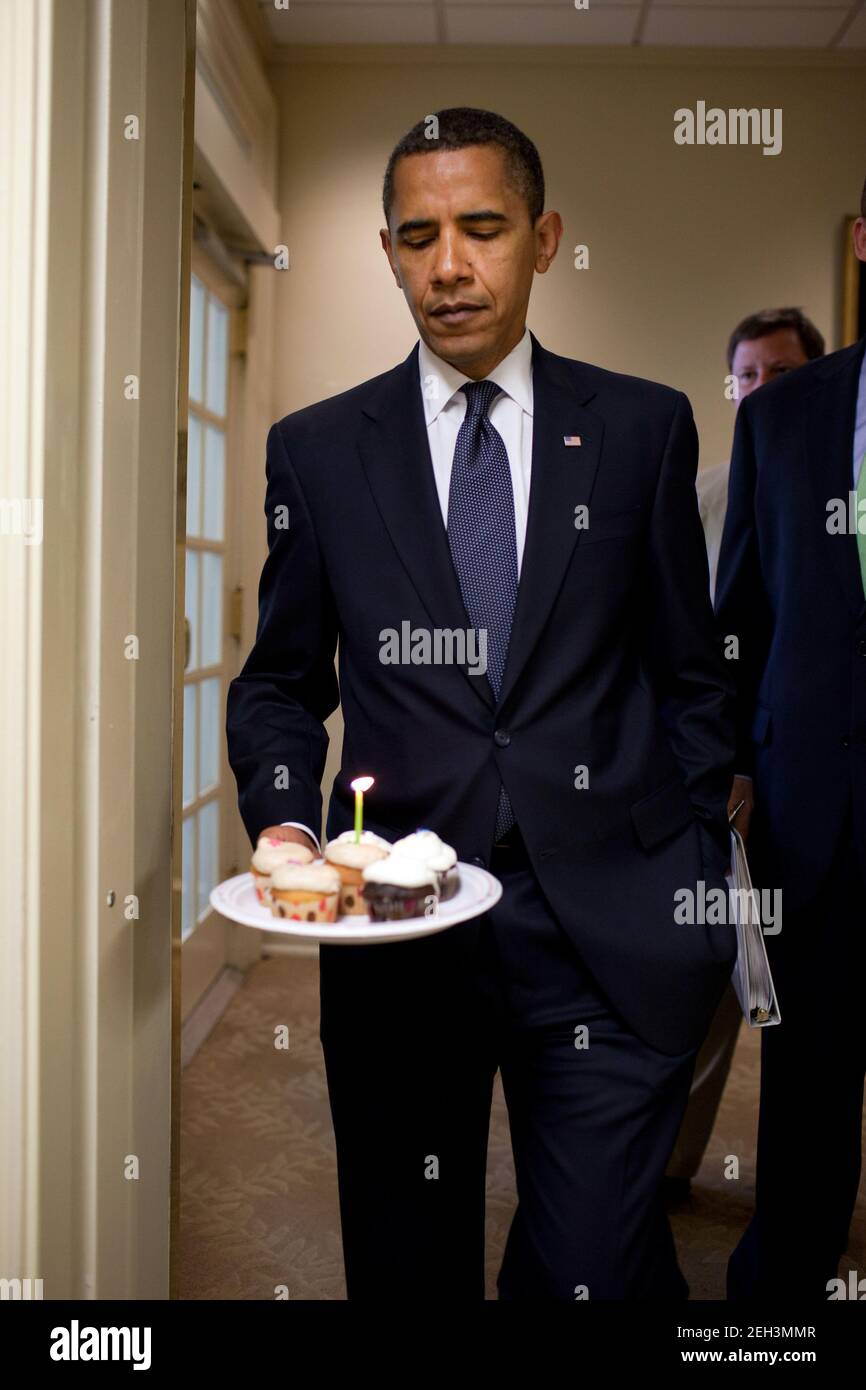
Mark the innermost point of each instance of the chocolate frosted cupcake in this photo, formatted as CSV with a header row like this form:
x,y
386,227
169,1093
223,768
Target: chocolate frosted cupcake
x,y
268,854
350,857
399,886
441,858
305,892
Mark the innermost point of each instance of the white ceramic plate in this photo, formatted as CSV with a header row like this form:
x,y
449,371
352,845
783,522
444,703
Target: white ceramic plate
x,y
478,892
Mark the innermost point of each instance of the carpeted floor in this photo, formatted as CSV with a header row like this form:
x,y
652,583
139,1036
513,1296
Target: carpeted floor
x,y
258,1169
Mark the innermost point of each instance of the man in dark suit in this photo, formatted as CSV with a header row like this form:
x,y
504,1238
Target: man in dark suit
x,y
486,485
790,601
762,347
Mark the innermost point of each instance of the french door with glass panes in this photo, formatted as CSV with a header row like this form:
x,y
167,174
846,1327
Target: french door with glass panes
x,y
209,560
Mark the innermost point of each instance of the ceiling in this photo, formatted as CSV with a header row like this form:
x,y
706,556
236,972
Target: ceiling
x,y
807,24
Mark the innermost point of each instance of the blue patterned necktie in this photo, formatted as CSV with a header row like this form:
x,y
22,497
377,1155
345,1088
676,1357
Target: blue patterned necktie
x,y
483,540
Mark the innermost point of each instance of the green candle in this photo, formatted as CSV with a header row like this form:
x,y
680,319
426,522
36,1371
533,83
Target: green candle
x,y
359,786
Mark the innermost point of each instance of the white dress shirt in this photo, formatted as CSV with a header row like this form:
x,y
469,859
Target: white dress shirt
x,y
712,488
511,414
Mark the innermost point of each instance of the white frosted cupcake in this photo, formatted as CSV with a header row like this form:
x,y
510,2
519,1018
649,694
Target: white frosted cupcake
x,y
305,892
441,858
270,852
399,886
368,837
350,857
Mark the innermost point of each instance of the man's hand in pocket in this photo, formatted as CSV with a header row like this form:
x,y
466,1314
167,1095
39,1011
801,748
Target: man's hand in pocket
x,y
742,790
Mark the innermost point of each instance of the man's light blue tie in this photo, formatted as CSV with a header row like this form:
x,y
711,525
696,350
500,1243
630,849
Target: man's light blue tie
x,y
483,541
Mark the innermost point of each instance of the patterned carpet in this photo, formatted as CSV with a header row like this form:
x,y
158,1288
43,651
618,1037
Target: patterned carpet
x,y
258,1169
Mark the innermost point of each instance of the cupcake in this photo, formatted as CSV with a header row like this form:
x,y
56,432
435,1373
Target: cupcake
x,y
305,892
349,857
268,854
399,886
441,858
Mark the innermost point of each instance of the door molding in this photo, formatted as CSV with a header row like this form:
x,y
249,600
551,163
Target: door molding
x,y
92,254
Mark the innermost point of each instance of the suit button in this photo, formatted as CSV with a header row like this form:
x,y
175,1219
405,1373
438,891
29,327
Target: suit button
x,y
476,859
861,648
845,742
501,738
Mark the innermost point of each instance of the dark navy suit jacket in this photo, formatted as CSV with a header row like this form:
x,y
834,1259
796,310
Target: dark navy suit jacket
x,y
613,664
791,592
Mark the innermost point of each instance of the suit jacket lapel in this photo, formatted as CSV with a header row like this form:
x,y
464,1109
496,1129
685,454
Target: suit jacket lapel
x,y
396,457
829,444
561,480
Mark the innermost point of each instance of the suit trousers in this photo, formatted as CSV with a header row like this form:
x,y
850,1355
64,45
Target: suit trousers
x,y
413,1034
810,1119
711,1072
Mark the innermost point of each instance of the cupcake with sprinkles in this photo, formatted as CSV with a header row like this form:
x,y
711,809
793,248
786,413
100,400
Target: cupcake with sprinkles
x,y
270,852
305,892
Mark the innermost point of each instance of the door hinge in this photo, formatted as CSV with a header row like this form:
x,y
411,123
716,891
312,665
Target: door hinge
x,y
238,332
236,612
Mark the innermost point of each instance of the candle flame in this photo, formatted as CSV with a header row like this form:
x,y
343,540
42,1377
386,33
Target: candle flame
x,y
362,784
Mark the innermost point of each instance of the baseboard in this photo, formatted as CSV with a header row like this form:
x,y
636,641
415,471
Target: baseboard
x,y
272,946
208,1012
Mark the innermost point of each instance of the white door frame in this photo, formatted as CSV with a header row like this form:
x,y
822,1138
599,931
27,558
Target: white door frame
x,y
94,228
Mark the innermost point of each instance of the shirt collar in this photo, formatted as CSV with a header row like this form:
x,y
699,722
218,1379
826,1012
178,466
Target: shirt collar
x,y
440,381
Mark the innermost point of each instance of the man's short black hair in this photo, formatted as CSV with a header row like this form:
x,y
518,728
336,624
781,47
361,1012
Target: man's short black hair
x,y
459,126
770,321
863,200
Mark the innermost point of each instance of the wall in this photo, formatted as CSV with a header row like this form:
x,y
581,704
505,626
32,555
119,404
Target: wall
x,y
683,241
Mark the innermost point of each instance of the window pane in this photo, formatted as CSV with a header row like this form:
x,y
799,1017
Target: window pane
x,y
187,920
193,478
196,339
209,729
190,731
217,349
208,854
192,610
214,483
211,608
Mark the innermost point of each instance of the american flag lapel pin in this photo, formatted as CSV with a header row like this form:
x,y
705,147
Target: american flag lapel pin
x,y
572,441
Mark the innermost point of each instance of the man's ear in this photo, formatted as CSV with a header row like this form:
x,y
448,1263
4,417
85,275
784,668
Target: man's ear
x,y
385,238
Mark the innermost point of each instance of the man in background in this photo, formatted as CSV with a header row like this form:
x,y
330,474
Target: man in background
x,y
762,347
791,609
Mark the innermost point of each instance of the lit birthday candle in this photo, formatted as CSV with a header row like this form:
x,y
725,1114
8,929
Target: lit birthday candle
x,y
359,786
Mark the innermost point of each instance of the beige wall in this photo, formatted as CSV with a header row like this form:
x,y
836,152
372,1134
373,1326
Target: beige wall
x,y
683,240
